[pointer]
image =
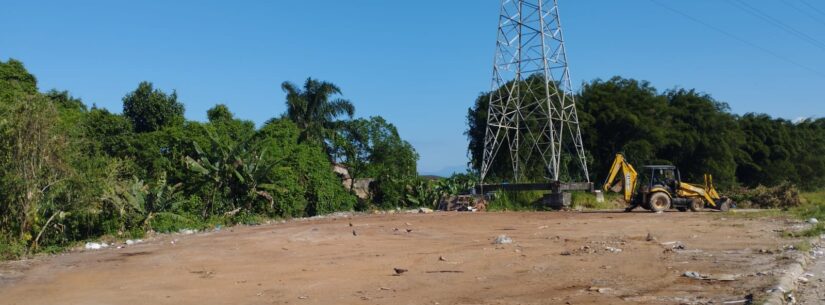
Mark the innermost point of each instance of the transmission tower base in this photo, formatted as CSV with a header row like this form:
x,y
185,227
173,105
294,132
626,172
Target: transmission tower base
x,y
557,201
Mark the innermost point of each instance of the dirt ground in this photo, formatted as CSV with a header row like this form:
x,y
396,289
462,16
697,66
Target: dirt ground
x,y
451,258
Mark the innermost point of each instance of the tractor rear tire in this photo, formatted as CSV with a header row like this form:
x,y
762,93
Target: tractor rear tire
x,y
659,202
696,205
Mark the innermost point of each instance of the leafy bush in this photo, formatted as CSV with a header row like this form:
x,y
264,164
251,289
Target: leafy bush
x,y
170,222
783,196
11,248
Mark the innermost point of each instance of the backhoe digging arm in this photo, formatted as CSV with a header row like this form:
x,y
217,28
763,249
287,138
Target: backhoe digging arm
x,y
627,183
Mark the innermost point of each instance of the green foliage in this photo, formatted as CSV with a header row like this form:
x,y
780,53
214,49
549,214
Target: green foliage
x,y
14,79
112,132
69,173
424,193
171,222
782,196
372,148
234,172
150,109
11,248
531,169
813,206
219,113
516,201
314,109
308,185
34,165
588,200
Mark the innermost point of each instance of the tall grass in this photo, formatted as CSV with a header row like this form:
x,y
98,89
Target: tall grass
x,y
516,201
813,206
532,201
587,200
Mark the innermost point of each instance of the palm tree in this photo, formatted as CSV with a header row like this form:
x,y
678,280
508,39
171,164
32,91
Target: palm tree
x,y
314,109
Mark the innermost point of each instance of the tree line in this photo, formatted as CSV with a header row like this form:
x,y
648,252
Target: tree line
x,y
682,127
70,172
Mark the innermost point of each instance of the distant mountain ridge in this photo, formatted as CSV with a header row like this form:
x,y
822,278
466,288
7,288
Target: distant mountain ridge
x,y
446,171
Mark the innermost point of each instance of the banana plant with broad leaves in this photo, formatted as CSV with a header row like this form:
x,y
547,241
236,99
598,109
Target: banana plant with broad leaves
x,y
136,202
424,192
237,173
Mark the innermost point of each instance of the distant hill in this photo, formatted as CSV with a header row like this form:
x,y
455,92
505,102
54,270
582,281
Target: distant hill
x,y
445,172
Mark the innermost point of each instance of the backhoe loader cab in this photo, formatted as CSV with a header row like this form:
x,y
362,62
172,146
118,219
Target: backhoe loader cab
x,y
665,176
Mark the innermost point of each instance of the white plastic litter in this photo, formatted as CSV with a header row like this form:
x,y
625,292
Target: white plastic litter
x,y
130,242
187,231
95,246
503,239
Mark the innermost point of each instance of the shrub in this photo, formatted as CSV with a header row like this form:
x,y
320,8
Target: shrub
x,y
169,222
783,196
11,248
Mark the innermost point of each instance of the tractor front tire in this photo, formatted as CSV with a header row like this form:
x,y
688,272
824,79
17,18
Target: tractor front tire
x,y
659,202
696,205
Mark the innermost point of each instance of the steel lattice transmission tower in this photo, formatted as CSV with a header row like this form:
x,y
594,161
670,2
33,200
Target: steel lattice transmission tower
x,y
531,84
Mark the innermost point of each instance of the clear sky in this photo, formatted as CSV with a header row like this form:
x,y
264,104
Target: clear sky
x,y
420,64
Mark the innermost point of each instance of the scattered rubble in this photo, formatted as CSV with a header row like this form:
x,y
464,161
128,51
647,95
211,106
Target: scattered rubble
x,y
694,275
674,245
503,239
599,290
710,277
613,250
813,221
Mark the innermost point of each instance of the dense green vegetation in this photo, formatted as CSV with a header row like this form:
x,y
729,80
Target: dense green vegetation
x,y
70,173
681,127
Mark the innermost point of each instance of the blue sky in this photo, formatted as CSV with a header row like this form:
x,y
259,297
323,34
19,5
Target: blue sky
x,y
420,64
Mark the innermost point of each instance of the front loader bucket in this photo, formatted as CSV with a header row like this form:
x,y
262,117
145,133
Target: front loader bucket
x,y
723,204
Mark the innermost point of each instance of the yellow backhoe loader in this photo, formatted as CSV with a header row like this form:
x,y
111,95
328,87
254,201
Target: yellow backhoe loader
x,y
662,188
